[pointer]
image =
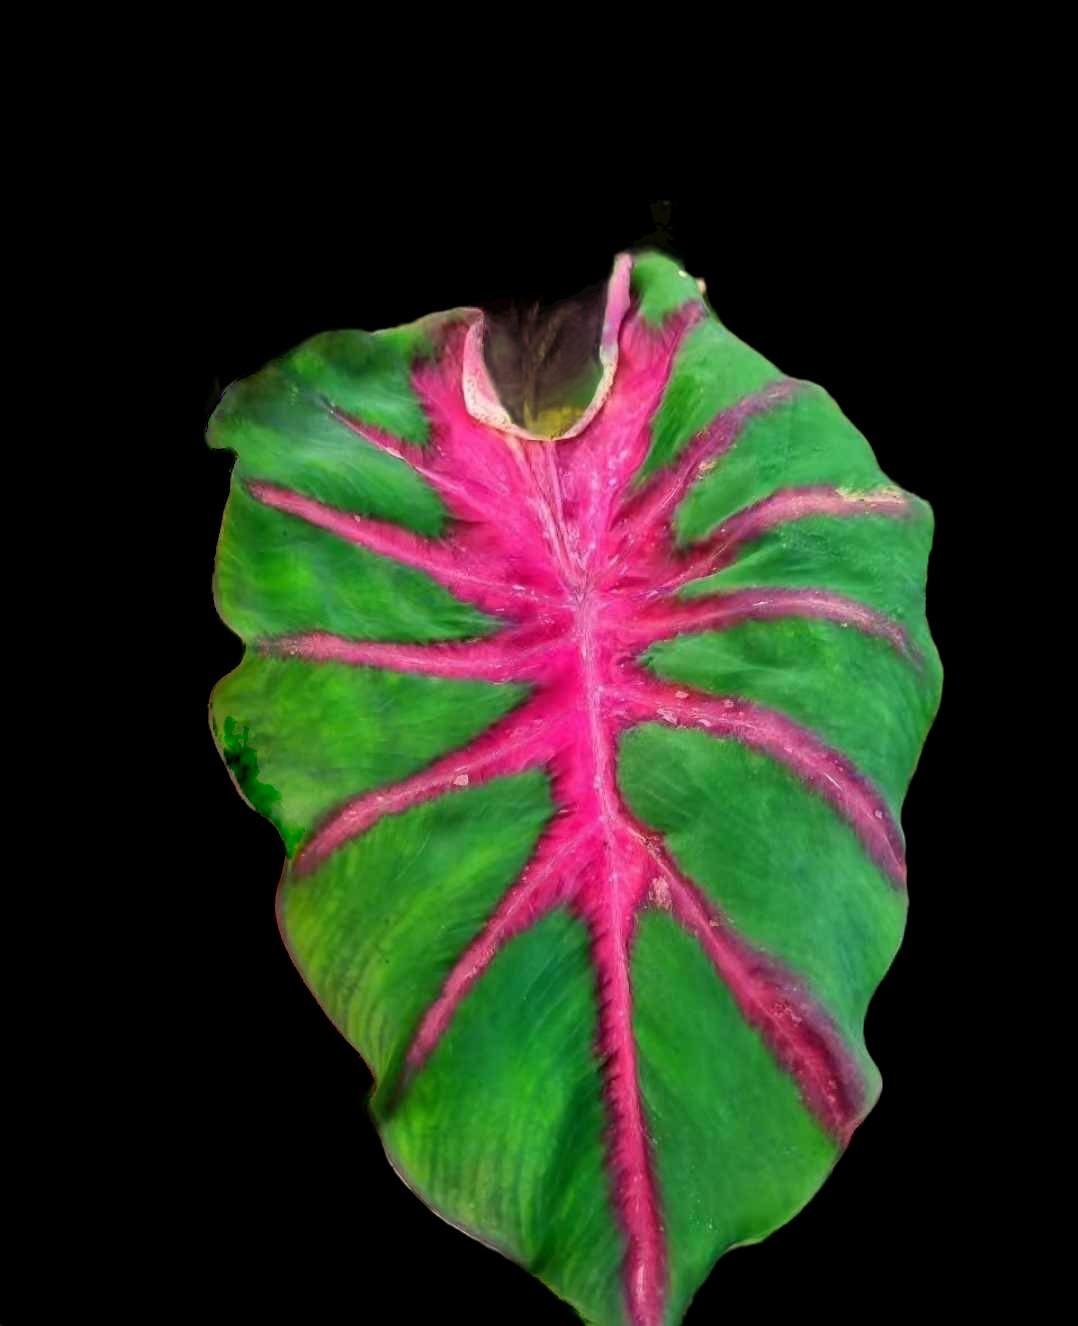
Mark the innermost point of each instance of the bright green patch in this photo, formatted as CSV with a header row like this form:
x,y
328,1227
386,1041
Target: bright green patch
x,y
661,286
277,575
712,371
877,560
802,441
327,732
502,1131
788,873
855,691
736,1151
378,927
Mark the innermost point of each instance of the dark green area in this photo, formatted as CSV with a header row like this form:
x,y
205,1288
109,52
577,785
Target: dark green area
x,y
242,761
368,374
280,426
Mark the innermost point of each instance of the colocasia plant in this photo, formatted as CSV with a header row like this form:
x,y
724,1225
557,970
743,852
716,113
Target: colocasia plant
x,y
586,671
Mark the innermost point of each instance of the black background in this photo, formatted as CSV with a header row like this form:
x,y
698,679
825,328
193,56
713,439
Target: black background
x,y
271,1193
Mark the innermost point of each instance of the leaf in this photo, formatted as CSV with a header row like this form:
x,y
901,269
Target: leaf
x,y
588,755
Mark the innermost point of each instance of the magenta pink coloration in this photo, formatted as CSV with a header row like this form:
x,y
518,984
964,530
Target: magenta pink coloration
x,y
657,502
556,540
645,698
444,562
720,548
523,740
799,1034
672,617
513,656
547,880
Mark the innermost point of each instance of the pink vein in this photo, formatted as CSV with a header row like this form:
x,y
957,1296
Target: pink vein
x,y
656,502
718,611
544,883
522,740
629,1151
508,656
412,456
827,772
786,505
378,437
796,1030
612,920
535,471
437,559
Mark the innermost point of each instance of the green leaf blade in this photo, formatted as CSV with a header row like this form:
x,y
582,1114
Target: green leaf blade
x,y
588,754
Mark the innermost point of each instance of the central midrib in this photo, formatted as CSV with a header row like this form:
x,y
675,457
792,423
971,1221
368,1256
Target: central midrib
x,y
587,602
607,903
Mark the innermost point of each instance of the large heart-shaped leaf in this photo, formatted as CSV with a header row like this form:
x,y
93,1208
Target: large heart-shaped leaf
x,y
587,753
